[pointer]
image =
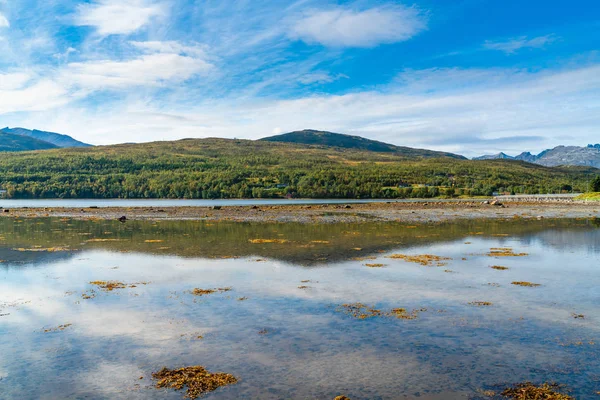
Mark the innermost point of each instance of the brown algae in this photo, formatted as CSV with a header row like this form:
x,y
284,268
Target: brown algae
x,y
375,265
59,328
260,241
362,311
529,391
423,259
202,292
481,303
109,286
359,311
504,252
402,313
43,249
197,380
526,284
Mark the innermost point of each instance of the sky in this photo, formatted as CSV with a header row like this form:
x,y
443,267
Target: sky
x,y
467,76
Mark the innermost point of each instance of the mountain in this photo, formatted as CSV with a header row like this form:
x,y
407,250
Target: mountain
x,y
330,139
56,139
9,142
527,157
499,156
561,155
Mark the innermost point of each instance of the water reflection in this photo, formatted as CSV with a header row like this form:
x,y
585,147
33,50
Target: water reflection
x,y
29,241
309,349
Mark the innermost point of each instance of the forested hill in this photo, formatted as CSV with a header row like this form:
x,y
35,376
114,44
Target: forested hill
x,y
9,142
330,139
222,168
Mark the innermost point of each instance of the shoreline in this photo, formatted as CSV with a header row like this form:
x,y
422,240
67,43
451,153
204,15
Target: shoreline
x,y
421,212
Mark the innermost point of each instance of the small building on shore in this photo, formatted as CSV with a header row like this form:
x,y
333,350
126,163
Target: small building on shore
x,y
2,193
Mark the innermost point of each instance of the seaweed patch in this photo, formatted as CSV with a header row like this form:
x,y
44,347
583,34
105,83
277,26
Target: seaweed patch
x,y
43,249
529,391
526,284
59,328
423,259
203,292
359,311
197,380
260,241
109,286
481,303
504,252
402,313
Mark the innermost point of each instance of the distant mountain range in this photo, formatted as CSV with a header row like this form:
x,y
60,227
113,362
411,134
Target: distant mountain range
x,y
330,139
10,142
20,139
562,155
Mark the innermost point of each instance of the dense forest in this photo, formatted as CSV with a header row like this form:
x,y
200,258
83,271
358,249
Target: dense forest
x,y
222,168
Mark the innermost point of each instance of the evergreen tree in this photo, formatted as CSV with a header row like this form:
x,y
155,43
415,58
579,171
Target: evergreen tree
x,y
595,184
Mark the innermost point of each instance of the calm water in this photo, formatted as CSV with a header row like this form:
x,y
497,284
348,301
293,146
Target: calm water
x,y
306,348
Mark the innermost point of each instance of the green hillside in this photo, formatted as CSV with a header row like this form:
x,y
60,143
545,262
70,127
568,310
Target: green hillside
x,y
10,142
223,168
330,139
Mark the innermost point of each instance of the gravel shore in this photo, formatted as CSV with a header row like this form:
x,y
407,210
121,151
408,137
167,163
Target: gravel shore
x,y
421,212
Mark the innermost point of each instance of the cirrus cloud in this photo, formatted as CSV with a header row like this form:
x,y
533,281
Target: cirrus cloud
x,y
513,45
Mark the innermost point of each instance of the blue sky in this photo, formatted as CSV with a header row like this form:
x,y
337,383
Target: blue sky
x,y
468,76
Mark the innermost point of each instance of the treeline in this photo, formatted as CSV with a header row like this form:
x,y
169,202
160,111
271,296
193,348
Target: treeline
x,y
215,168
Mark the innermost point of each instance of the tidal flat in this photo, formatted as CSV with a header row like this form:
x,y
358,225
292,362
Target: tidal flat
x,y
409,211
465,309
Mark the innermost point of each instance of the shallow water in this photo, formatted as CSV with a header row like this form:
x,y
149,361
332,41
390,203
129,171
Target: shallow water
x,y
307,348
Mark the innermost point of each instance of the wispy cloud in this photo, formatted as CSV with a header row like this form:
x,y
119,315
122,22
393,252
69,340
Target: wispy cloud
x,y
513,45
110,17
320,77
345,27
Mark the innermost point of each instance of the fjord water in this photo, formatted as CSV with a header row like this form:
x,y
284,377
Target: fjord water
x,y
282,341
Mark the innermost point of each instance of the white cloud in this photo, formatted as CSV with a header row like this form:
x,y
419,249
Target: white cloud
x,y
117,16
148,70
40,96
13,81
511,46
4,21
343,27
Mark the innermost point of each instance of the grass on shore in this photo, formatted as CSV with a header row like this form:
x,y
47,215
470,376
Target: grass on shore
x,y
589,197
